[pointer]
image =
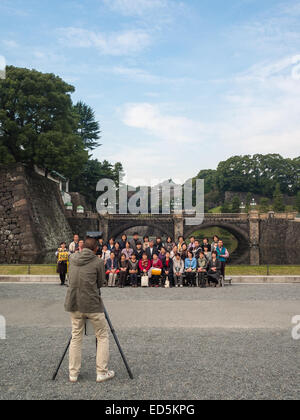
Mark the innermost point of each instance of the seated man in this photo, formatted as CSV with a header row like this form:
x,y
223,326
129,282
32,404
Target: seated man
x,y
133,266
214,270
112,268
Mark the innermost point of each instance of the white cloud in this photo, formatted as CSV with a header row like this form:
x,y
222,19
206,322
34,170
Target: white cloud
x,y
10,43
115,43
136,7
169,128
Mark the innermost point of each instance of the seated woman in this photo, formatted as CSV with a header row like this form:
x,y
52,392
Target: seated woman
x,y
178,269
155,271
133,266
190,269
202,270
127,251
112,268
123,268
144,265
168,270
214,270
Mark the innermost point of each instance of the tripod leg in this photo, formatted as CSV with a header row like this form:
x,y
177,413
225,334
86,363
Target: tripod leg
x,y
62,359
118,344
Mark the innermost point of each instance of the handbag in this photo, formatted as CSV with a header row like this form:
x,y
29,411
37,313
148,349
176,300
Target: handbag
x,y
145,281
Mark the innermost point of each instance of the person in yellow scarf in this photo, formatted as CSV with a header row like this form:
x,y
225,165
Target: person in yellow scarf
x,y
62,255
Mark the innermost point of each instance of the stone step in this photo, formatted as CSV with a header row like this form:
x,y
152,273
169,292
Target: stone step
x,y
235,279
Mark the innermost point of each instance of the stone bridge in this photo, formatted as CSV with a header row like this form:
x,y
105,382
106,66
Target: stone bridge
x,y
253,232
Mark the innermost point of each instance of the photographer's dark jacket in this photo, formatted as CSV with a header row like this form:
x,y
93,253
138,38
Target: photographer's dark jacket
x,y
86,274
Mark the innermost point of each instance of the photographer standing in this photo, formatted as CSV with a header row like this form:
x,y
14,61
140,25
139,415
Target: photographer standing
x,y
87,276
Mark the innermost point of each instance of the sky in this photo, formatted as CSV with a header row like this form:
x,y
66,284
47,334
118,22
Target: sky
x,y
177,85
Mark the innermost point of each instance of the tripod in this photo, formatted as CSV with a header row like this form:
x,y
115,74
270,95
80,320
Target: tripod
x,y
117,343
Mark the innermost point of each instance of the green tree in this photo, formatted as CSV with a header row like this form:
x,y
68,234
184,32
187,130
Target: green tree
x,y
264,205
278,204
226,207
88,127
37,122
298,201
248,201
236,203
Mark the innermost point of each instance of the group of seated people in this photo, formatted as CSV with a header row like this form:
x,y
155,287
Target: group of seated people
x,y
165,264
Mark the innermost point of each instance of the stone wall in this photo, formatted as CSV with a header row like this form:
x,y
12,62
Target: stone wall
x,y
81,224
279,242
32,216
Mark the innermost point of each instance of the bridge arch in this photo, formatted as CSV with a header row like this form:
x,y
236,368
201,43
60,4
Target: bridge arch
x,y
158,228
242,253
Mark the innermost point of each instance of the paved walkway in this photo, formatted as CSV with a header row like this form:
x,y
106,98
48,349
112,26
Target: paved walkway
x,y
181,343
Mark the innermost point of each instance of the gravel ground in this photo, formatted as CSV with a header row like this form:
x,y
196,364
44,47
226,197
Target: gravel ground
x,y
168,363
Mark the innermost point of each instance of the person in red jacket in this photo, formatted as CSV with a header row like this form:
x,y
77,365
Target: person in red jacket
x,y
155,265
144,265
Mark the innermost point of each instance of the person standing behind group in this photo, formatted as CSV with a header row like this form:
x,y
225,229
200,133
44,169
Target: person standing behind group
x,y
192,243
146,243
62,255
207,253
174,252
123,241
190,269
158,244
151,250
169,244
133,266
105,254
206,244
100,247
134,241
222,255
139,251
81,246
162,255
117,251
111,245
178,269
215,243
184,252
123,268
197,249
74,245
127,251
180,244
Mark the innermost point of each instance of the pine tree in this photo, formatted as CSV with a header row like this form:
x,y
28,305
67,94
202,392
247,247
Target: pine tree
x,y
236,203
